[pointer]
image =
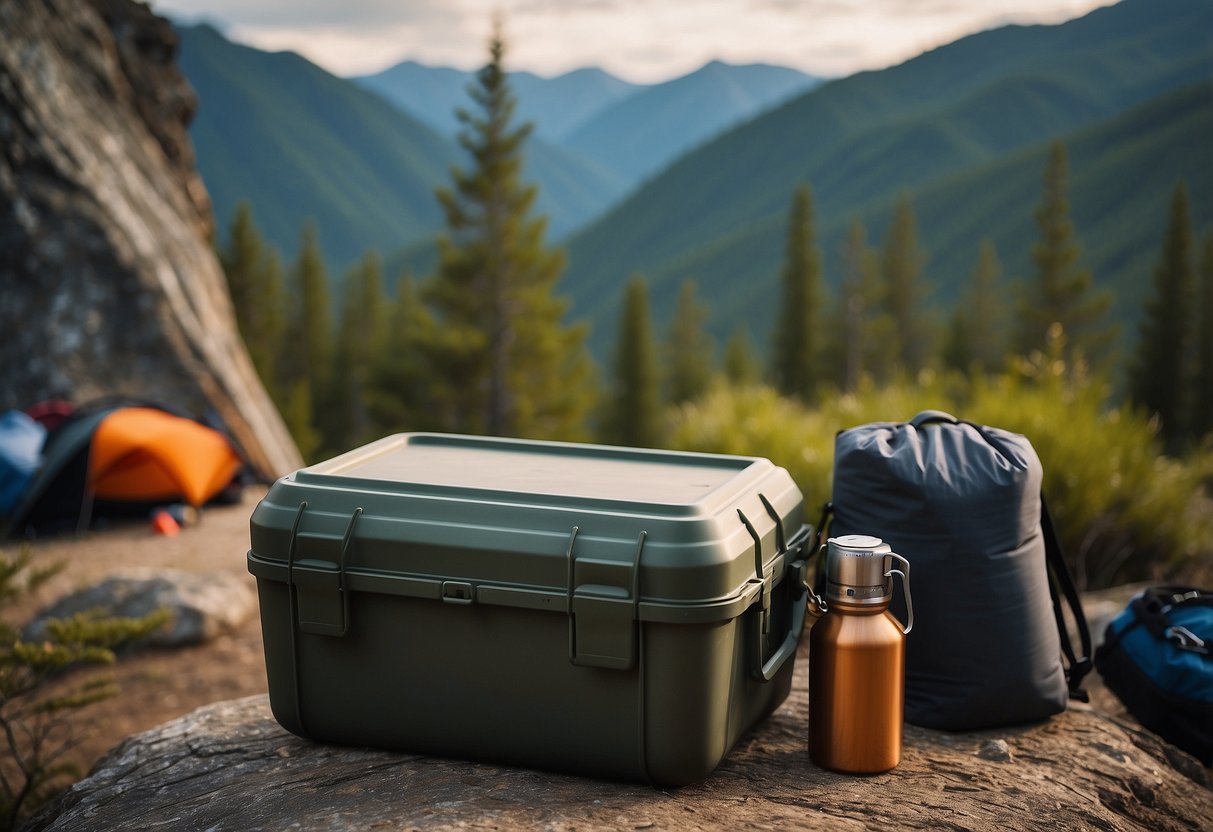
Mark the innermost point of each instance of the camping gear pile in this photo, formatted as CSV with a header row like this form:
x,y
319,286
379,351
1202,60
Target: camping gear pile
x,y
63,468
631,613
962,502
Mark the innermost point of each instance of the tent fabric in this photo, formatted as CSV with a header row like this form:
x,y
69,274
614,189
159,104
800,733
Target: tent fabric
x,y
21,440
136,457
145,455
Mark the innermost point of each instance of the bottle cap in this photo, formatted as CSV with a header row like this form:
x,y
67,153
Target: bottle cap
x,y
855,570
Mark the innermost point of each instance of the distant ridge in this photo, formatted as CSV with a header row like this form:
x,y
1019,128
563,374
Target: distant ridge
x,y
644,132
631,130
936,125
300,143
555,105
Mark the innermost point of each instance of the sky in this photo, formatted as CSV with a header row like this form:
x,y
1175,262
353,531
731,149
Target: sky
x,y
640,40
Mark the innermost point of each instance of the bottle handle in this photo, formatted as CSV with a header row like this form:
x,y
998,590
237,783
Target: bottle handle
x,y
816,604
904,572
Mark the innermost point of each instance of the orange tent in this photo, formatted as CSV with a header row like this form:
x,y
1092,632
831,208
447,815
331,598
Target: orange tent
x,y
143,454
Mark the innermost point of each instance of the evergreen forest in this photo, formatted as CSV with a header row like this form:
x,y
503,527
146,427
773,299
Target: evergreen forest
x,y
485,342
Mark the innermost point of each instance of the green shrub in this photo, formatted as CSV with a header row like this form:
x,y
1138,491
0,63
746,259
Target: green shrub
x,y
1124,511
40,726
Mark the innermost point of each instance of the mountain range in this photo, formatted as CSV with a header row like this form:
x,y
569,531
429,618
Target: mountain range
x,y
631,130
963,129
362,157
300,143
554,105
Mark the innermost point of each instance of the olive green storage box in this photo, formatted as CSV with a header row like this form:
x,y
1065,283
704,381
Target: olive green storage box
x,y
595,610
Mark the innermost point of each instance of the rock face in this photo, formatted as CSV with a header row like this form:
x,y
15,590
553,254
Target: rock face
x,y
201,606
108,282
229,766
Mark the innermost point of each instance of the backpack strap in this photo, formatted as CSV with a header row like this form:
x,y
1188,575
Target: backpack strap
x,y
1061,585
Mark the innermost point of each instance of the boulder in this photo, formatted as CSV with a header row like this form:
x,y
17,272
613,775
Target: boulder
x,y
201,606
111,284
229,766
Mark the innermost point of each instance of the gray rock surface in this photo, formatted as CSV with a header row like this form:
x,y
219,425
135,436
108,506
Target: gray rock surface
x,y
229,766
201,605
108,281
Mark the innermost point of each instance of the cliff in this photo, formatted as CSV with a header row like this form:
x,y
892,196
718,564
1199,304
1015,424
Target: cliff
x,y
110,284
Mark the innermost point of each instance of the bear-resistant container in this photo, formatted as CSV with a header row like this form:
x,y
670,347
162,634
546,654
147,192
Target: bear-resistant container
x,y
605,611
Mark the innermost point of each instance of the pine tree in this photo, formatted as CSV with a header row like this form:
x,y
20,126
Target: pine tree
x,y
856,337
266,341
740,365
254,278
362,339
633,411
901,295
399,397
306,364
958,341
241,260
1062,292
1159,375
505,364
688,349
976,338
1200,420
794,348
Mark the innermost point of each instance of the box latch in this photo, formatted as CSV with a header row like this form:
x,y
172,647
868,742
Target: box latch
x,y
316,574
604,599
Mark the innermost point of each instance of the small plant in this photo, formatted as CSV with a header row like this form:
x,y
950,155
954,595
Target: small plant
x,y
41,726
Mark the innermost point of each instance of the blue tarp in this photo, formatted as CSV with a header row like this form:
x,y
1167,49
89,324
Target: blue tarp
x,y
21,441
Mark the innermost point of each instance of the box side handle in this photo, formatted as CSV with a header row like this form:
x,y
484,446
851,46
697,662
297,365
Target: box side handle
x,y
794,571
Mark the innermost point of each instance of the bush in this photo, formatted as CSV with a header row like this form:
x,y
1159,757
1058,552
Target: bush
x,y
40,727
1124,511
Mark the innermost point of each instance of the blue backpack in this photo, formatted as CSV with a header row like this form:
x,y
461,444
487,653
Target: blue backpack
x,y
1157,657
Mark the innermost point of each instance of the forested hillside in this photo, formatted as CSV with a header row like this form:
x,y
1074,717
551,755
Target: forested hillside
x,y
960,129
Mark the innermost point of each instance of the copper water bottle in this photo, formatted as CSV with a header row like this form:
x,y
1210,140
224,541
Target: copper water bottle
x,y
857,659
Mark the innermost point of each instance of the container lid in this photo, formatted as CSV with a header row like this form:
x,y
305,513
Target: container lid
x,y
660,481
683,529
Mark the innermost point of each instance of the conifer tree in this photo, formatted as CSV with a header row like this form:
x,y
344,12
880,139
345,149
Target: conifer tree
x,y
901,295
633,410
307,360
795,345
855,343
740,365
266,341
241,259
399,397
1159,376
1200,419
362,339
1062,291
688,349
505,363
254,278
976,334
958,341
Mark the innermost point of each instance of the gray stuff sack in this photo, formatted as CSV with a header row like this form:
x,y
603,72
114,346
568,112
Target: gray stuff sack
x,y
962,502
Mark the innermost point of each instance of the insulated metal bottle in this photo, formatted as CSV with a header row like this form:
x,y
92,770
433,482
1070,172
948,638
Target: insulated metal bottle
x,y
857,659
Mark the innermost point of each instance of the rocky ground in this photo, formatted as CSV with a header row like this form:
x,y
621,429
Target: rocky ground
x,y
158,685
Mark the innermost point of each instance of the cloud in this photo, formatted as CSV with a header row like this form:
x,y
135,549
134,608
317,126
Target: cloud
x,y
310,14
642,40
